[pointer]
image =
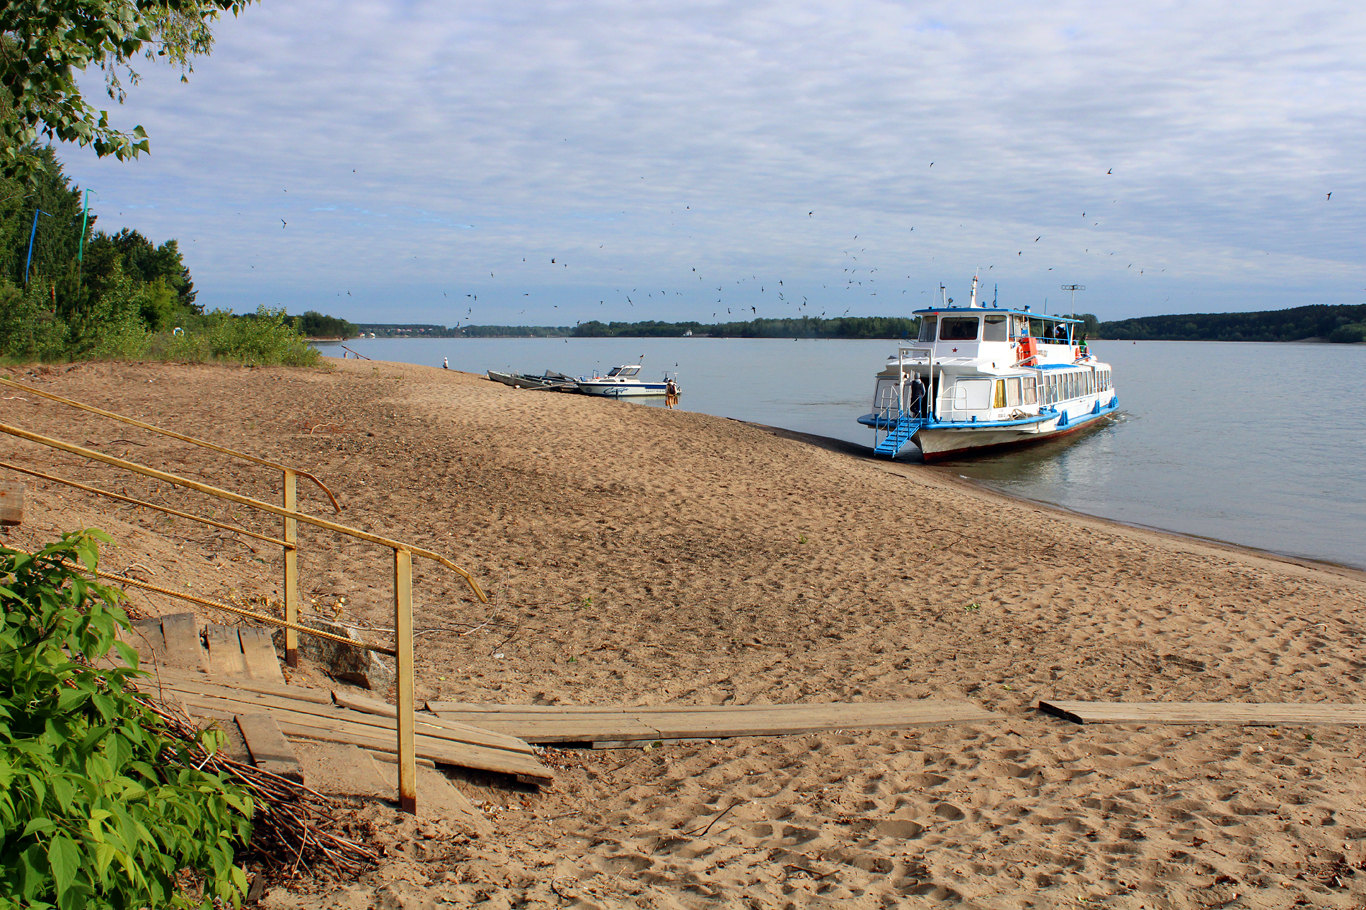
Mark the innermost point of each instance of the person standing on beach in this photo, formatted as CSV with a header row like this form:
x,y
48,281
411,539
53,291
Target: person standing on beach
x,y
670,393
445,363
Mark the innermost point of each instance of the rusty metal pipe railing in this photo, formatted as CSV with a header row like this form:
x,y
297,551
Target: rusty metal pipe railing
x,y
403,580
241,611
202,443
148,505
177,480
290,582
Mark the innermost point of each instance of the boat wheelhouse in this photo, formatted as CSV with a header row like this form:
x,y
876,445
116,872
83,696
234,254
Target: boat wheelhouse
x,y
982,377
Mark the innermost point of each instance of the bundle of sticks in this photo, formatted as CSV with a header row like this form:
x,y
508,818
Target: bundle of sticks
x,y
293,827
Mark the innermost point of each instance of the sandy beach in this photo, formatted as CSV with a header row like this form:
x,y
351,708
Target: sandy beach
x,y
642,556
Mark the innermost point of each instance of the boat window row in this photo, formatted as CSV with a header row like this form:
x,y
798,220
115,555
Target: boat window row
x,y
1074,384
992,327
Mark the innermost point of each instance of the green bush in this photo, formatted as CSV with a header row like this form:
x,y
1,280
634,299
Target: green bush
x,y
1351,333
28,329
266,338
99,806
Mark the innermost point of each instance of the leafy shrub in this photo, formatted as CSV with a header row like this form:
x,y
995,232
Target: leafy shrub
x,y
99,807
29,330
266,338
1351,333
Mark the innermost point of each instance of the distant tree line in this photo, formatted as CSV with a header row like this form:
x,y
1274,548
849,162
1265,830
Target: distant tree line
x,y
313,324
1343,324
807,327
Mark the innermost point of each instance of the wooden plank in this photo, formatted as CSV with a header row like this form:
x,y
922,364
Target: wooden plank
x,y
268,747
259,653
169,676
183,647
11,503
225,651
442,752
613,724
1096,712
427,724
145,636
363,704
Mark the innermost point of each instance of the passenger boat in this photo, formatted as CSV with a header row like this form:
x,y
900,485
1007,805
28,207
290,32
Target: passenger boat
x,y
623,381
981,377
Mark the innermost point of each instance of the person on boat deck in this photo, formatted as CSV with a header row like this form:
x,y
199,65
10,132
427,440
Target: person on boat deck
x,y
915,395
1060,331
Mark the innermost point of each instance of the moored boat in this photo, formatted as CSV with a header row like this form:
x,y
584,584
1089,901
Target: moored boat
x,y
547,381
982,378
624,381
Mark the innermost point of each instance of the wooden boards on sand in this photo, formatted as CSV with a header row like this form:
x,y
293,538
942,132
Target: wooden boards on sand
x,y
303,713
618,725
1117,712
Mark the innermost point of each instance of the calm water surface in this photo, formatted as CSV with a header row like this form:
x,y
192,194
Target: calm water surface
x,y
1258,444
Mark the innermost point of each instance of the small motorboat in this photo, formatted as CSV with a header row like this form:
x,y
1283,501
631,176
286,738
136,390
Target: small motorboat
x,y
622,382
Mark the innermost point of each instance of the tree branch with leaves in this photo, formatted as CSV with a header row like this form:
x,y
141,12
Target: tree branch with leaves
x,y
46,44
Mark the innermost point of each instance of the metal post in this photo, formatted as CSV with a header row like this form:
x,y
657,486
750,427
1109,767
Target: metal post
x,y
291,580
403,646
33,232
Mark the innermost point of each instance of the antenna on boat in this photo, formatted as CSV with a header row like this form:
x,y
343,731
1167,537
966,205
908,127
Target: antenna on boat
x,y
972,301
1074,288
995,296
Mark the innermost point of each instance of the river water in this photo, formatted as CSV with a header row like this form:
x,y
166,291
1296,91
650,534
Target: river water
x,y
1262,445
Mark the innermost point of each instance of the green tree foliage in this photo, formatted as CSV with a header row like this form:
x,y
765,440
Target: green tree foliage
x,y
45,46
128,298
99,806
1333,323
313,324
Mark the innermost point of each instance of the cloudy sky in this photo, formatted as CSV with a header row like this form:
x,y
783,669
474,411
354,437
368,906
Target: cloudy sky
x,y
550,162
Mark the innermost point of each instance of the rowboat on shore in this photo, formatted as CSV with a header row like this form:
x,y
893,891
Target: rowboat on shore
x,y
981,378
622,382
547,381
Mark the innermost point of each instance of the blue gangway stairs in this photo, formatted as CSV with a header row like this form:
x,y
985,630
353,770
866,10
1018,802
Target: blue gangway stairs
x,y
896,440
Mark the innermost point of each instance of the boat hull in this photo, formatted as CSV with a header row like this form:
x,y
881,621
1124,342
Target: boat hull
x,y
938,443
623,389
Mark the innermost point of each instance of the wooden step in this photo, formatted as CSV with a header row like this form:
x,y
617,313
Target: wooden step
x,y
269,749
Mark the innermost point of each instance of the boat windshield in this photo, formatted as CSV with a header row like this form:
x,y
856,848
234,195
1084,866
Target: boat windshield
x,y
928,324
996,327
959,328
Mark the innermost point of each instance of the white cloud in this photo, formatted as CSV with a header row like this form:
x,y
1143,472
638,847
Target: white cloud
x,y
402,151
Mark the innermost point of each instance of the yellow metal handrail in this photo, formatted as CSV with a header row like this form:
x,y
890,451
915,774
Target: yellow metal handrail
x,y
403,567
202,443
290,582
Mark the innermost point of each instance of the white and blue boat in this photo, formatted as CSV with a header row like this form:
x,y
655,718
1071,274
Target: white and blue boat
x,y
981,378
623,382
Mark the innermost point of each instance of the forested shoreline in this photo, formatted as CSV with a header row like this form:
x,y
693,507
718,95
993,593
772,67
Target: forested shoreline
x,y
1339,324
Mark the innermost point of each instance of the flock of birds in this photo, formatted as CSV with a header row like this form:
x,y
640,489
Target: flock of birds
x,y
733,297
